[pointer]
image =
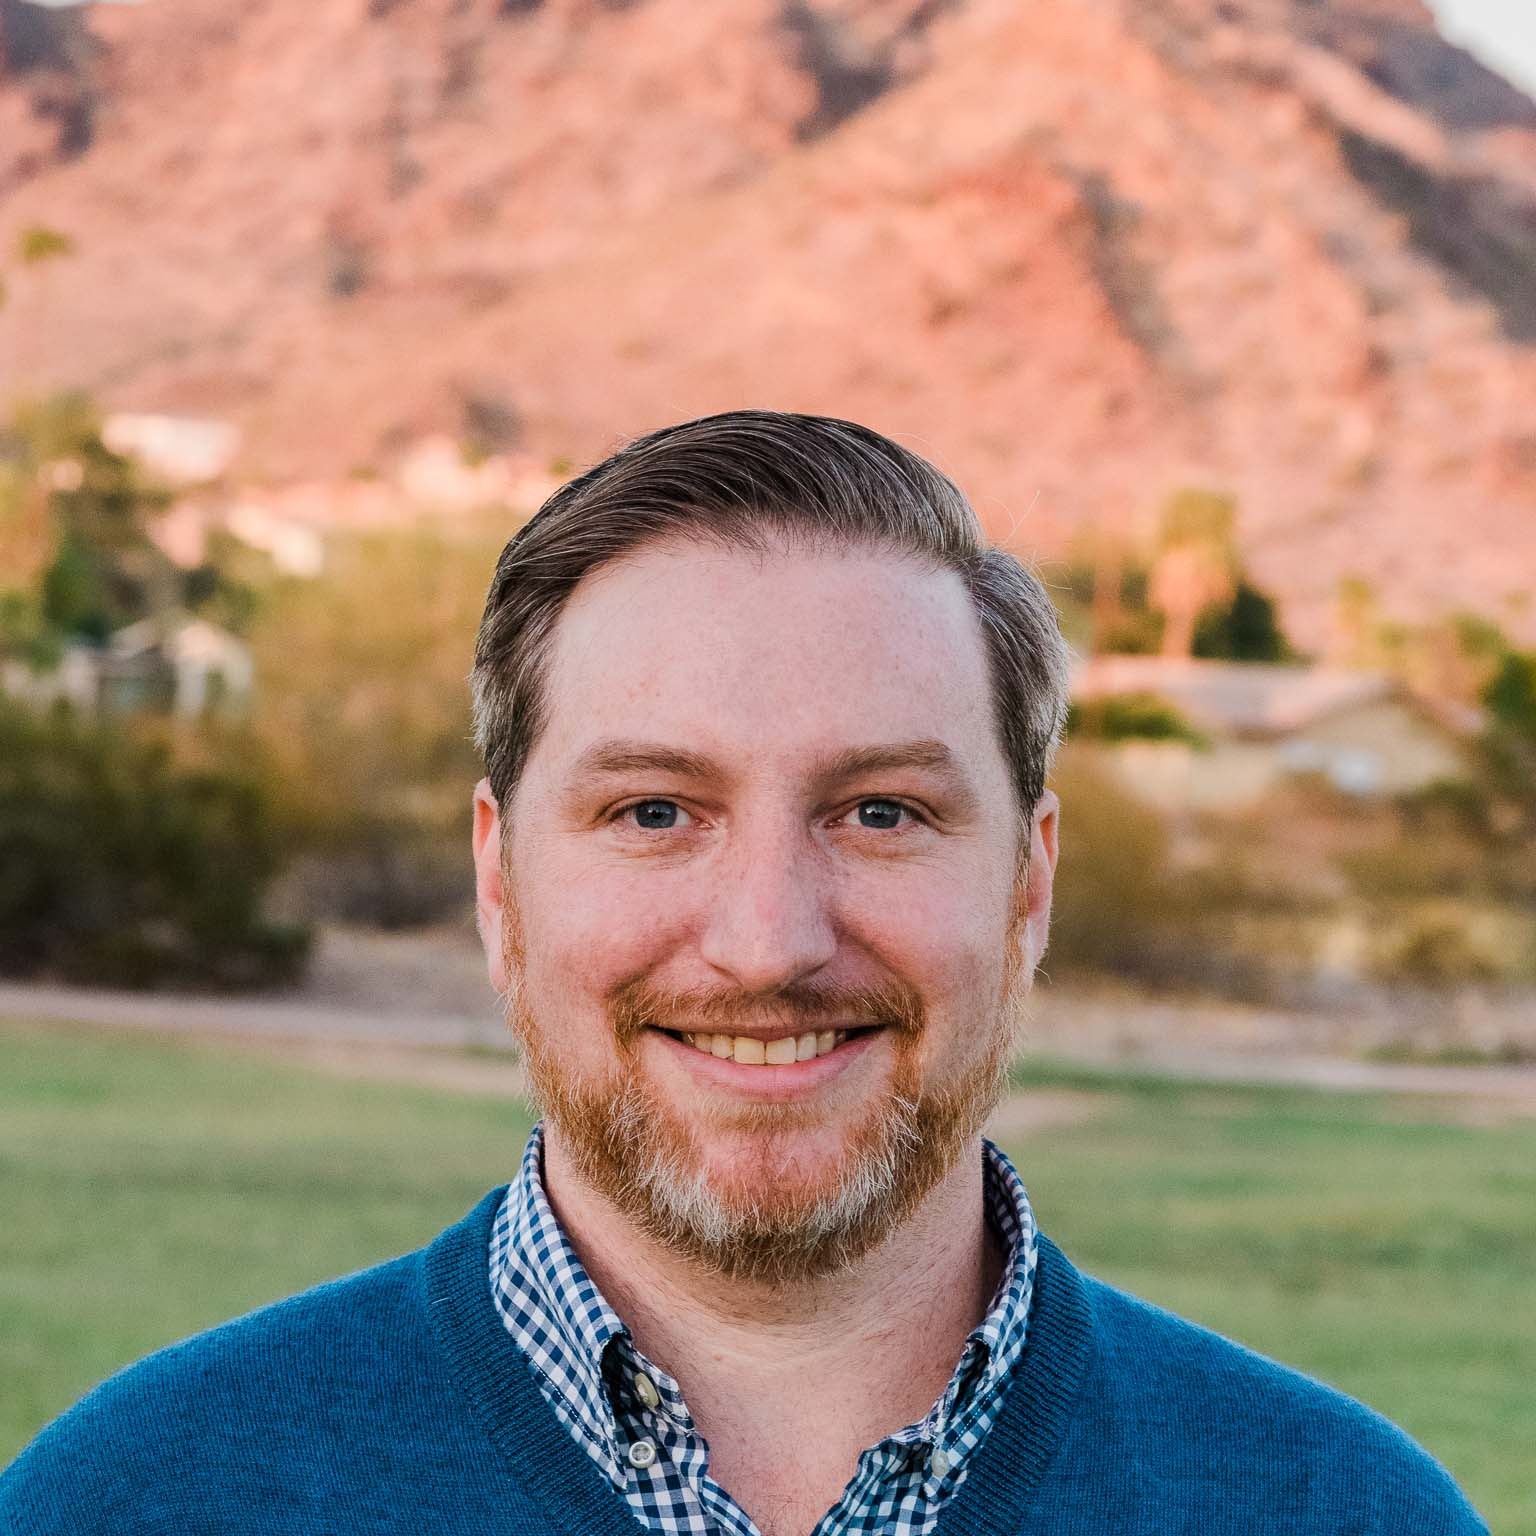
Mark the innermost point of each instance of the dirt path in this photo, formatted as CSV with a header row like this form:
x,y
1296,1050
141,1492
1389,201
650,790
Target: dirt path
x,y
472,1052
253,1018
410,1006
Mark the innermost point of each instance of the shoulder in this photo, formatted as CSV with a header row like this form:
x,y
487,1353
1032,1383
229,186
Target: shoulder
x,y
1200,1405
200,1435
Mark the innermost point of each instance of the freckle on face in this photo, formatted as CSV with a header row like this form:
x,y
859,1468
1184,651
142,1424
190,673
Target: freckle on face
x,y
767,668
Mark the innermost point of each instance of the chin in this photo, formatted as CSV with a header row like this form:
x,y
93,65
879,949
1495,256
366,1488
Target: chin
x,y
785,1165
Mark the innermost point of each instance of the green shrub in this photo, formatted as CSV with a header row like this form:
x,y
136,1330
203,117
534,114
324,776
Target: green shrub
x,y
1511,693
1131,717
1450,805
1435,949
1245,629
1133,632
1112,882
383,874
1124,908
120,867
362,707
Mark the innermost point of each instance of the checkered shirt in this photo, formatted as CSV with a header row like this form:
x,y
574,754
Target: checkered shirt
x,y
590,1372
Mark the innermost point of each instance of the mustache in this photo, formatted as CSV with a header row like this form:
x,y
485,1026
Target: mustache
x,y
638,1005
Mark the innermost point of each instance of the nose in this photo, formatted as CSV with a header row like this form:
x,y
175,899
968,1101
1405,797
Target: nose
x,y
768,921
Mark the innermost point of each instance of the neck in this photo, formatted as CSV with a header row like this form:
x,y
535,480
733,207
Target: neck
x,y
867,1349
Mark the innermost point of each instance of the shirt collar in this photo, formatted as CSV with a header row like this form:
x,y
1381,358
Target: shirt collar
x,y
996,1342
559,1318
584,1352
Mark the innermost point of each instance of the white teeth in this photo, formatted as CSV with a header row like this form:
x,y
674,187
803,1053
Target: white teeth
x,y
751,1051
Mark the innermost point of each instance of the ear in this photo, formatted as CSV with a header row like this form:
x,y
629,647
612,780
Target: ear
x,y
486,838
1040,880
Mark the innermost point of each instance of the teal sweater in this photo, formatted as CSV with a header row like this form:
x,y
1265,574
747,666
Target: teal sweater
x,y
395,1401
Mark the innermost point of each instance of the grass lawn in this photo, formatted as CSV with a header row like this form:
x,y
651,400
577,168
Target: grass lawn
x,y
148,1189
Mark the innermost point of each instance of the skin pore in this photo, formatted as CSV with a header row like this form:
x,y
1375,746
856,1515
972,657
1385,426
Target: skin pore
x,y
769,797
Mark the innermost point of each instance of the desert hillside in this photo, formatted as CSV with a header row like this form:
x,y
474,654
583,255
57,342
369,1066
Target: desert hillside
x,y
1082,252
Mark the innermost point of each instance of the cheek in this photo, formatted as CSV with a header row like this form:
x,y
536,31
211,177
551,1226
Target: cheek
x,y
588,929
946,936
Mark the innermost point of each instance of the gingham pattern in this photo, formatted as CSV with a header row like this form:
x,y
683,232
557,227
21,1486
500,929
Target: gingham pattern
x,y
586,1365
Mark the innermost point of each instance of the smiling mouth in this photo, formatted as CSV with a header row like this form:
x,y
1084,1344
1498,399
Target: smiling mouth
x,y
753,1052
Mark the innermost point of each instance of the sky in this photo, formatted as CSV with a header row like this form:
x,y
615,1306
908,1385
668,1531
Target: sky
x,y
1501,32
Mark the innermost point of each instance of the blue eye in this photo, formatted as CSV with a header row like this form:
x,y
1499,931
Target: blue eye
x,y
668,815
881,815
656,815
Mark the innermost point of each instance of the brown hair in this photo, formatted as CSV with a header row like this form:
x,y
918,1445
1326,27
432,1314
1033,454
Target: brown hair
x,y
751,479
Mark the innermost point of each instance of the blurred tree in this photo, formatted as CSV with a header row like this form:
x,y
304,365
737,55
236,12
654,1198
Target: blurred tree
x,y
1112,892
1131,717
1471,650
1137,629
77,560
74,515
230,585
362,672
120,867
1196,565
1356,624
362,699
1246,629
1510,695
26,534
1100,594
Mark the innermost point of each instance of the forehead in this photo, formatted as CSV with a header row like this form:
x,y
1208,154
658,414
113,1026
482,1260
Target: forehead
x,y
770,659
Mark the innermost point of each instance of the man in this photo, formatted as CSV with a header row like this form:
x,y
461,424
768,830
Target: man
x,y
764,858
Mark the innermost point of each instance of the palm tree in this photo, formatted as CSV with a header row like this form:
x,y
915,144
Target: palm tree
x,y
1196,567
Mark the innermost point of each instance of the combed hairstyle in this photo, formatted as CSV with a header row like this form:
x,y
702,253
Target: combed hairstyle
x,y
759,480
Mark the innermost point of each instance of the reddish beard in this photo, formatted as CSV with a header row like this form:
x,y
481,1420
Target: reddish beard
x,y
775,1222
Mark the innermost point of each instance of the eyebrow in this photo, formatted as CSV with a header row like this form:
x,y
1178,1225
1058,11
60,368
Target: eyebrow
x,y
618,755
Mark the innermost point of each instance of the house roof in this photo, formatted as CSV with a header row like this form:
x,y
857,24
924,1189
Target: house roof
x,y
177,636
1248,698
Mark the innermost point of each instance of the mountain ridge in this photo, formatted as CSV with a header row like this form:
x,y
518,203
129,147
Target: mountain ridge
x,y
1082,252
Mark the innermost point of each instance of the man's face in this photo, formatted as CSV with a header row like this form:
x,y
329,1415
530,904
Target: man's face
x,y
768,816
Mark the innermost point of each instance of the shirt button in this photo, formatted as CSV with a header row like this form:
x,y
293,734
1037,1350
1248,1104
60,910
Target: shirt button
x,y
642,1453
645,1390
938,1463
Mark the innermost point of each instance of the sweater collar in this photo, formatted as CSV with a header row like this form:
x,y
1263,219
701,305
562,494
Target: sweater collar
x,y
585,1353
538,1454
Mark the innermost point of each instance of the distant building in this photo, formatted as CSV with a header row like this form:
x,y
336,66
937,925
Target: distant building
x,y
295,548
186,450
1362,731
175,663
433,485
74,680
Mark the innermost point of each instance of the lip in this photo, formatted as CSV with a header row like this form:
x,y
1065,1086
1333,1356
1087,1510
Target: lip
x,y
764,1083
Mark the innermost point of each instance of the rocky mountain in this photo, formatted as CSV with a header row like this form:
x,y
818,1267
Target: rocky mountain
x,y
1081,252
